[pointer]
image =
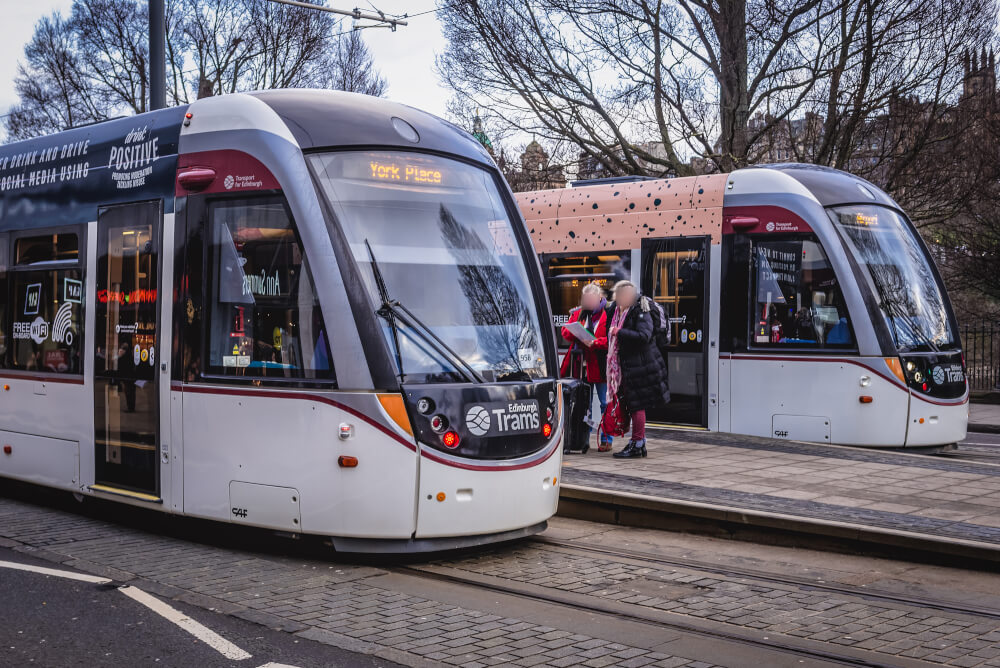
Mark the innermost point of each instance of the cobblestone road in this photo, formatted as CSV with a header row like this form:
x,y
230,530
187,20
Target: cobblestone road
x,y
390,611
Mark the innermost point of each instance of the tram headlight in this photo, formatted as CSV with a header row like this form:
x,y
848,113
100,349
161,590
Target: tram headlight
x,y
919,377
439,423
425,406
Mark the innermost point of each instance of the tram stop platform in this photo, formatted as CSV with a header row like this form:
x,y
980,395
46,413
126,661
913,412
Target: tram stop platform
x,y
894,502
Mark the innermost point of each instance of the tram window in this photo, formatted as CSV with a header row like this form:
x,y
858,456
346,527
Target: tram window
x,y
797,299
566,276
265,317
46,306
47,248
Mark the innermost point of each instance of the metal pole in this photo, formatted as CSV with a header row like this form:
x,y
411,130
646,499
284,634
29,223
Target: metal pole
x,y
357,14
157,56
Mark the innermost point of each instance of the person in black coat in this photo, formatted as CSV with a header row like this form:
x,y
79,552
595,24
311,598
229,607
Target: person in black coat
x,y
639,368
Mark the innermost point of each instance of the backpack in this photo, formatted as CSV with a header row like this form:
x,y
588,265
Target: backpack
x,y
661,329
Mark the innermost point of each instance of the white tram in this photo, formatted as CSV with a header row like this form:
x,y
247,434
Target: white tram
x,y
308,311
803,303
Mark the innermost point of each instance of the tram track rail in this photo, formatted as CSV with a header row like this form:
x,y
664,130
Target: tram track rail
x,y
804,648
762,576
649,616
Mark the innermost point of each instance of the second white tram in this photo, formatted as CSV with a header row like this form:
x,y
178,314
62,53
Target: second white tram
x,y
308,311
803,304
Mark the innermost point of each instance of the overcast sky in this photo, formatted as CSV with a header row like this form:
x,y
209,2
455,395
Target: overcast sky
x,y
405,57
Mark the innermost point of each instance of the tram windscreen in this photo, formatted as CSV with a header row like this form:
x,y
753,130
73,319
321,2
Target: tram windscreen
x,y
912,299
445,249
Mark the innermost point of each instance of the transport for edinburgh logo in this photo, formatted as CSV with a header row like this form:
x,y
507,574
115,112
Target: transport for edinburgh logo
x,y
477,420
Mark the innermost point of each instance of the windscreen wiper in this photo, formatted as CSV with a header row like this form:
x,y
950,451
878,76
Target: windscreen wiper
x,y
383,293
393,309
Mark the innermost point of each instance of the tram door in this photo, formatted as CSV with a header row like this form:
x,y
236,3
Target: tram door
x,y
126,351
675,275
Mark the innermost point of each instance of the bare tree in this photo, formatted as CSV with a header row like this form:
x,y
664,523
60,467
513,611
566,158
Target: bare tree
x,y
93,65
354,68
712,78
611,75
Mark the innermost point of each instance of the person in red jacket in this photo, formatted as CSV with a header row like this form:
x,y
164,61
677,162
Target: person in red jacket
x,y
591,314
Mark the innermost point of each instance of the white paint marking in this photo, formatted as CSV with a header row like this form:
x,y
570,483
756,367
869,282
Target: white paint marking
x,y
69,575
199,631
276,665
978,443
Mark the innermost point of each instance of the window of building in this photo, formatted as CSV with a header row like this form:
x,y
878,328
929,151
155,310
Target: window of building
x,y
46,318
265,317
796,296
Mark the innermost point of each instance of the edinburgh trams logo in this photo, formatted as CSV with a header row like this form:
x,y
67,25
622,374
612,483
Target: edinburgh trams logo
x,y
477,421
503,418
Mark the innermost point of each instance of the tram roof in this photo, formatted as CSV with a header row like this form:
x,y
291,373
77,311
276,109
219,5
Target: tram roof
x,y
336,119
613,215
833,187
62,179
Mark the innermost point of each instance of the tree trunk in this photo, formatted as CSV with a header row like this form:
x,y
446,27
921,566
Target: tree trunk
x,y
730,22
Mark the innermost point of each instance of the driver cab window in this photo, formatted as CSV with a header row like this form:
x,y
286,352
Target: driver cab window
x,y
265,317
797,301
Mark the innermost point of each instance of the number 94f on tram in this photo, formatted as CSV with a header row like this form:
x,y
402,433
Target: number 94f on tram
x,y
802,303
308,311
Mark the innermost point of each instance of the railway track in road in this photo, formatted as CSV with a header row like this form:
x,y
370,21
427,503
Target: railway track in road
x,y
636,614
458,573
975,449
866,593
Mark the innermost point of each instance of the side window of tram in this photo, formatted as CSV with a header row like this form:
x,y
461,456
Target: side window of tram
x,y
797,299
46,304
264,312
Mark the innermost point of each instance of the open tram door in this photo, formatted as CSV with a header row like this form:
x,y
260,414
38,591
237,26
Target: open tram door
x,y
675,274
127,354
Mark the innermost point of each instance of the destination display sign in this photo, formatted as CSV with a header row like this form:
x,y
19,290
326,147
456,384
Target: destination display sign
x,y
61,179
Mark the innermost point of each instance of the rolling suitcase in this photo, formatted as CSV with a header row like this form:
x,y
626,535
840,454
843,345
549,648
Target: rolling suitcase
x,y
579,397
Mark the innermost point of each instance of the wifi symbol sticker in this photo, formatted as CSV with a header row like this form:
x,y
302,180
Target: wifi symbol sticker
x,y
61,325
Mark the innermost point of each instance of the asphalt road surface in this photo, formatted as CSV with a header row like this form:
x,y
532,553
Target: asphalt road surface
x,y
48,620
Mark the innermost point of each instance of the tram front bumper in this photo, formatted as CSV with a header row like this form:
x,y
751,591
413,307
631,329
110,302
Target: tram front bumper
x,y
463,501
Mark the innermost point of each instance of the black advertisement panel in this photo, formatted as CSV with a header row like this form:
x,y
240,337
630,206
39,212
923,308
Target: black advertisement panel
x,y
61,179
